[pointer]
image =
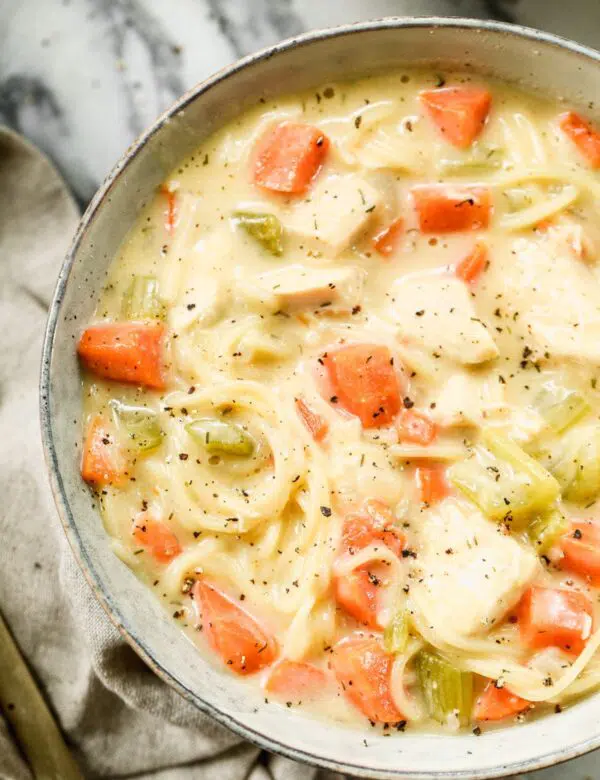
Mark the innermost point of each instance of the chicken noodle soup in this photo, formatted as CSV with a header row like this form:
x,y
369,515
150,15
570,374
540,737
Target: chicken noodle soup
x,y
342,406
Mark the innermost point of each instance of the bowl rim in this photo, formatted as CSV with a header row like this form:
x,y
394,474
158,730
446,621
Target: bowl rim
x,y
270,743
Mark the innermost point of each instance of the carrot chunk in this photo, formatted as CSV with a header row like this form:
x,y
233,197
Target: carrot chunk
x,y
375,523
448,209
386,241
316,425
365,383
415,427
432,484
125,351
364,669
289,156
552,617
583,135
156,537
474,264
103,462
297,679
232,632
581,550
356,594
498,703
459,113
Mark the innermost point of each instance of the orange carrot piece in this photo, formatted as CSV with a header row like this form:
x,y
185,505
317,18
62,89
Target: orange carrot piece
x,y
232,632
498,703
156,537
125,351
432,484
581,551
386,241
458,112
364,669
316,425
365,383
553,617
103,462
474,264
297,679
356,594
583,135
449,209
171,212
289,156
416,427
376,523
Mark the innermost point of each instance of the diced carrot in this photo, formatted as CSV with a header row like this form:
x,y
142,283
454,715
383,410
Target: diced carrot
x,y
386,241
443,208
583,135
103,462
458,112
474,264
498,703
356,594
364,669
125,351
581,550
232,632
376,523
552,617
171,212
316,425
365,382
415,427
289,156
432,484
297,679
156,537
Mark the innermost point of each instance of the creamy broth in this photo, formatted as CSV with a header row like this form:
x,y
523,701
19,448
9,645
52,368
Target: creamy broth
x,y
355,445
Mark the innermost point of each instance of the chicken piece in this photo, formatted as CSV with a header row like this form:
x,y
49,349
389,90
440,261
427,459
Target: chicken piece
x,y
552,294
469,574
465,399
338,210
302,287
436,311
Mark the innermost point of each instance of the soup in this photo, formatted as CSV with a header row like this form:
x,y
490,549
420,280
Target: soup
x,y
341,401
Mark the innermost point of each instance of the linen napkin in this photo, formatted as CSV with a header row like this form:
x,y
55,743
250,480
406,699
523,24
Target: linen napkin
x,y
118,717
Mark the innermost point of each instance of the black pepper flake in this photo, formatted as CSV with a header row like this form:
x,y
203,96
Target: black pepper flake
x,y
326,511
355,310
190,306
477,731
420,313
577,534
183,456
357,121
408,404
334,399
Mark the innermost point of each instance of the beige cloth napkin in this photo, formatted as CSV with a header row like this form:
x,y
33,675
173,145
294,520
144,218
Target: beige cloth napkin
x,y
120,719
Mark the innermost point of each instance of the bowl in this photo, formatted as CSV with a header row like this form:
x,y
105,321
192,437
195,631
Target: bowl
x,y
531,59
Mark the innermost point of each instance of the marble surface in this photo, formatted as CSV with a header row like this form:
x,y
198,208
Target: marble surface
x,y
82,78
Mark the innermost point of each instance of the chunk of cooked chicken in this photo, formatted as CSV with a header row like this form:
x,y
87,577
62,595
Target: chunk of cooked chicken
x,y
464,399
338,209
436,311
468,574
304,287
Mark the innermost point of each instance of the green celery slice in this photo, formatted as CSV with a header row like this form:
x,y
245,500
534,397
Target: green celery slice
x,y
220,437
264,228
561,407
395,636
142,301
578,470
545,529
504,481
446,690
140,425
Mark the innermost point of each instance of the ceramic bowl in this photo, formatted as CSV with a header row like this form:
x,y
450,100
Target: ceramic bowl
x,y
534,60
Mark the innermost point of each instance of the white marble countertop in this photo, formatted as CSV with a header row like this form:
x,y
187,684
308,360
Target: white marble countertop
x,y
82,78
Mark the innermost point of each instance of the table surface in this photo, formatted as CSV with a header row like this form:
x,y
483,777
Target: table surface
x,y
82,78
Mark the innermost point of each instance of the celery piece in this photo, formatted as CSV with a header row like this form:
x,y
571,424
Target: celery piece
x,y
503,480
545,529
140,425
217,436
395,636
265,228
560,407
447,691
578,470
141,301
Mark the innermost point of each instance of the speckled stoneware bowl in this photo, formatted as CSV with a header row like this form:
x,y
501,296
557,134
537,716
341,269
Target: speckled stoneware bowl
x,y
542,62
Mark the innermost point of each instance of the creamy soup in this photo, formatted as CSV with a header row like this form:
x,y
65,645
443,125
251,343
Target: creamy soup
x,y
341,401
